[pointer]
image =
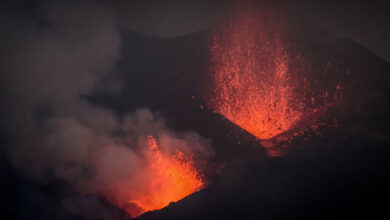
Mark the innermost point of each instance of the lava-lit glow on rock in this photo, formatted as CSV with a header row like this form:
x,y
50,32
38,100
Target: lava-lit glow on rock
x,y
253,86
175,178
165,179
260,82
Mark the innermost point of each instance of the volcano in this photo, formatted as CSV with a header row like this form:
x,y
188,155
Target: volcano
x,y
263,115
333,155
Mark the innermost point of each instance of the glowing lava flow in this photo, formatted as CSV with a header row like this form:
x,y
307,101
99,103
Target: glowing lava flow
x,y
252,84
165,179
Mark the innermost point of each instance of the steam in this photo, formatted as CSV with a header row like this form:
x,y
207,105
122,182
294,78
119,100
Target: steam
x,y
48,62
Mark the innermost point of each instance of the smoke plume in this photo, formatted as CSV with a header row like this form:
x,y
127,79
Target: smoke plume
x,y
49,61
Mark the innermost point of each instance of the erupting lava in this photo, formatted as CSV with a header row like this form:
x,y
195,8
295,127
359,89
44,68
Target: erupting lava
x,y
251,80
166,179
175,178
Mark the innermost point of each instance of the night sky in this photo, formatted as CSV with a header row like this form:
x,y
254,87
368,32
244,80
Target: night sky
x,y
362,21
365,22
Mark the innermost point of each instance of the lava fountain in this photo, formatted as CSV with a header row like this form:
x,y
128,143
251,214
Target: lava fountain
x,y
252,84
164,179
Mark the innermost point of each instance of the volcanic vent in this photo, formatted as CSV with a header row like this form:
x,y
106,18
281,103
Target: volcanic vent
x,y
255,82
163,177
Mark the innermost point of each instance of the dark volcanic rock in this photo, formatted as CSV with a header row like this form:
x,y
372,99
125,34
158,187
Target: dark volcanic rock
x,y
342,173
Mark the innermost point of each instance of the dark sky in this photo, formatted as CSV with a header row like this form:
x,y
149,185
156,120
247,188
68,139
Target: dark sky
x,y
365,22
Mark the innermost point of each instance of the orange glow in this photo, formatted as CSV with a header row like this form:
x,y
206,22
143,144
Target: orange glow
x,y
166,179
252,84
175,178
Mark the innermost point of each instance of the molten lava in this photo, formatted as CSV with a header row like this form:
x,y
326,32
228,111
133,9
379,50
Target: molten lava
x,y
165,179
174,179
253,86
264,85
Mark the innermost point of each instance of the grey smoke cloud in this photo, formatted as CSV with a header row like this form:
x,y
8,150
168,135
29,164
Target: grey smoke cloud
x,y
47,64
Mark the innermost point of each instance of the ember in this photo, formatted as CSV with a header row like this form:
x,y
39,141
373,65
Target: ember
x,y
166,179
253,86
257,84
